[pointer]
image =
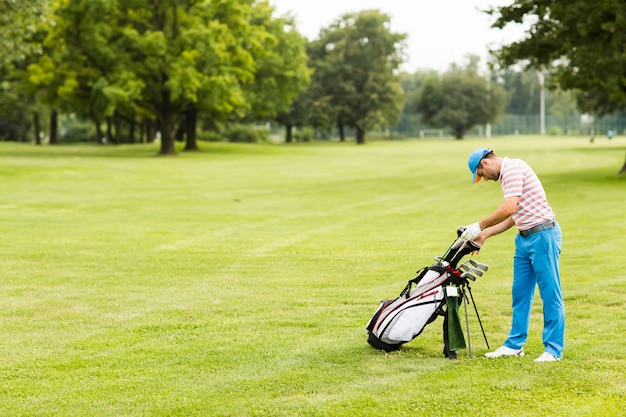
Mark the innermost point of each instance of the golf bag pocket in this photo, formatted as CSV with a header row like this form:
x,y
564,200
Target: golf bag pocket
x,y
409,322
403,319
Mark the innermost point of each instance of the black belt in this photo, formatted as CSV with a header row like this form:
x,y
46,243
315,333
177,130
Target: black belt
x,y
543,226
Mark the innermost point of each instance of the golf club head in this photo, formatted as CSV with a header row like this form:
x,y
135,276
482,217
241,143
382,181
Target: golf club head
x,y
478,265
477,272
468,276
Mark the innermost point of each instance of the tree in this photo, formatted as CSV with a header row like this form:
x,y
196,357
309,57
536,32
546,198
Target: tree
x,y
19,45
412,85
225,40
153,59
18,20
355,80
296,116
281,71
523,89
581,43
460,99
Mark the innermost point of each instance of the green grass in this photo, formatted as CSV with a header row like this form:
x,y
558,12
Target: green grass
x,y
237,281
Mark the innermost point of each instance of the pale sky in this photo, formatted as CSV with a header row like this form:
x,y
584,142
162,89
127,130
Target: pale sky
x,y
440,32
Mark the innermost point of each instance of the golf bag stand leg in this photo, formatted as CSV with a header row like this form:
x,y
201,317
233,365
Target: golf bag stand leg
x,y
469,289
450,354
469,338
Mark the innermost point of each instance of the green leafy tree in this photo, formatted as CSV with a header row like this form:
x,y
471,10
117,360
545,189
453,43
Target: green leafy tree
x,y
460,99
322,107
412,85
581,43
523,89
278,74
19,45
281,71
355,80
19,20
155,59
296,116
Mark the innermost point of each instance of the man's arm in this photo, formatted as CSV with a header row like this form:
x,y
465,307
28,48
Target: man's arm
x,y
492,231
496,229
502,213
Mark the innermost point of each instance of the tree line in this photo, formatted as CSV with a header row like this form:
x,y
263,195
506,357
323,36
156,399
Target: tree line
x,y
181,66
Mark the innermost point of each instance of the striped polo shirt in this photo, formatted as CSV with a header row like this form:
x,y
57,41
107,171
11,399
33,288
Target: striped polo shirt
x,y
519,180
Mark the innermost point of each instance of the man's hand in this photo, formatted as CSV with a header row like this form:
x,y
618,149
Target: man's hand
x,y
479,242
471,232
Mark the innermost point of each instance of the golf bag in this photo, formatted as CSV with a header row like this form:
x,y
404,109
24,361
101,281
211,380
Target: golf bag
x,y
437,290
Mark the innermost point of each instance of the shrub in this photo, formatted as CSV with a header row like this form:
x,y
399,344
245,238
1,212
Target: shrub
x,y
556,131
245,134
75,130
304,134
9,130
210,136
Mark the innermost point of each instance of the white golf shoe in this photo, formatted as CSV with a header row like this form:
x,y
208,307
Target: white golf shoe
x,y
547,357
504,351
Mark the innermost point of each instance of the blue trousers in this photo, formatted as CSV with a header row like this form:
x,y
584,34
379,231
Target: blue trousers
x,y
536,263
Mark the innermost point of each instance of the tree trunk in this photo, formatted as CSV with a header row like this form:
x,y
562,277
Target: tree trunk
x,y
131,131
110,135
288,133
191,118
360,136
37,128
166,121
342,134
167,138
458,133
150,131
179,135
54,127
118,128
99,134
21,128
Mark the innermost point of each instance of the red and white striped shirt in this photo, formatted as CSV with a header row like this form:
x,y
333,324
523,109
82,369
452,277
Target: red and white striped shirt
x,y
519,180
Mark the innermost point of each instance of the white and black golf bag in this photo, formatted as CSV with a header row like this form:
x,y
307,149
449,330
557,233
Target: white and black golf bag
x,y
437,290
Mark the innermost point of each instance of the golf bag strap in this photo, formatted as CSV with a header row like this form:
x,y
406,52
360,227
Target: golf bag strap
x,y
420,275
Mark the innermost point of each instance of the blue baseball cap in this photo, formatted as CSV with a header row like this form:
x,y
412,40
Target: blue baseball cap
x,y
474,161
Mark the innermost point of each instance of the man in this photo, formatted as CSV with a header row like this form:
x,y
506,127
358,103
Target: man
x,y
537,250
